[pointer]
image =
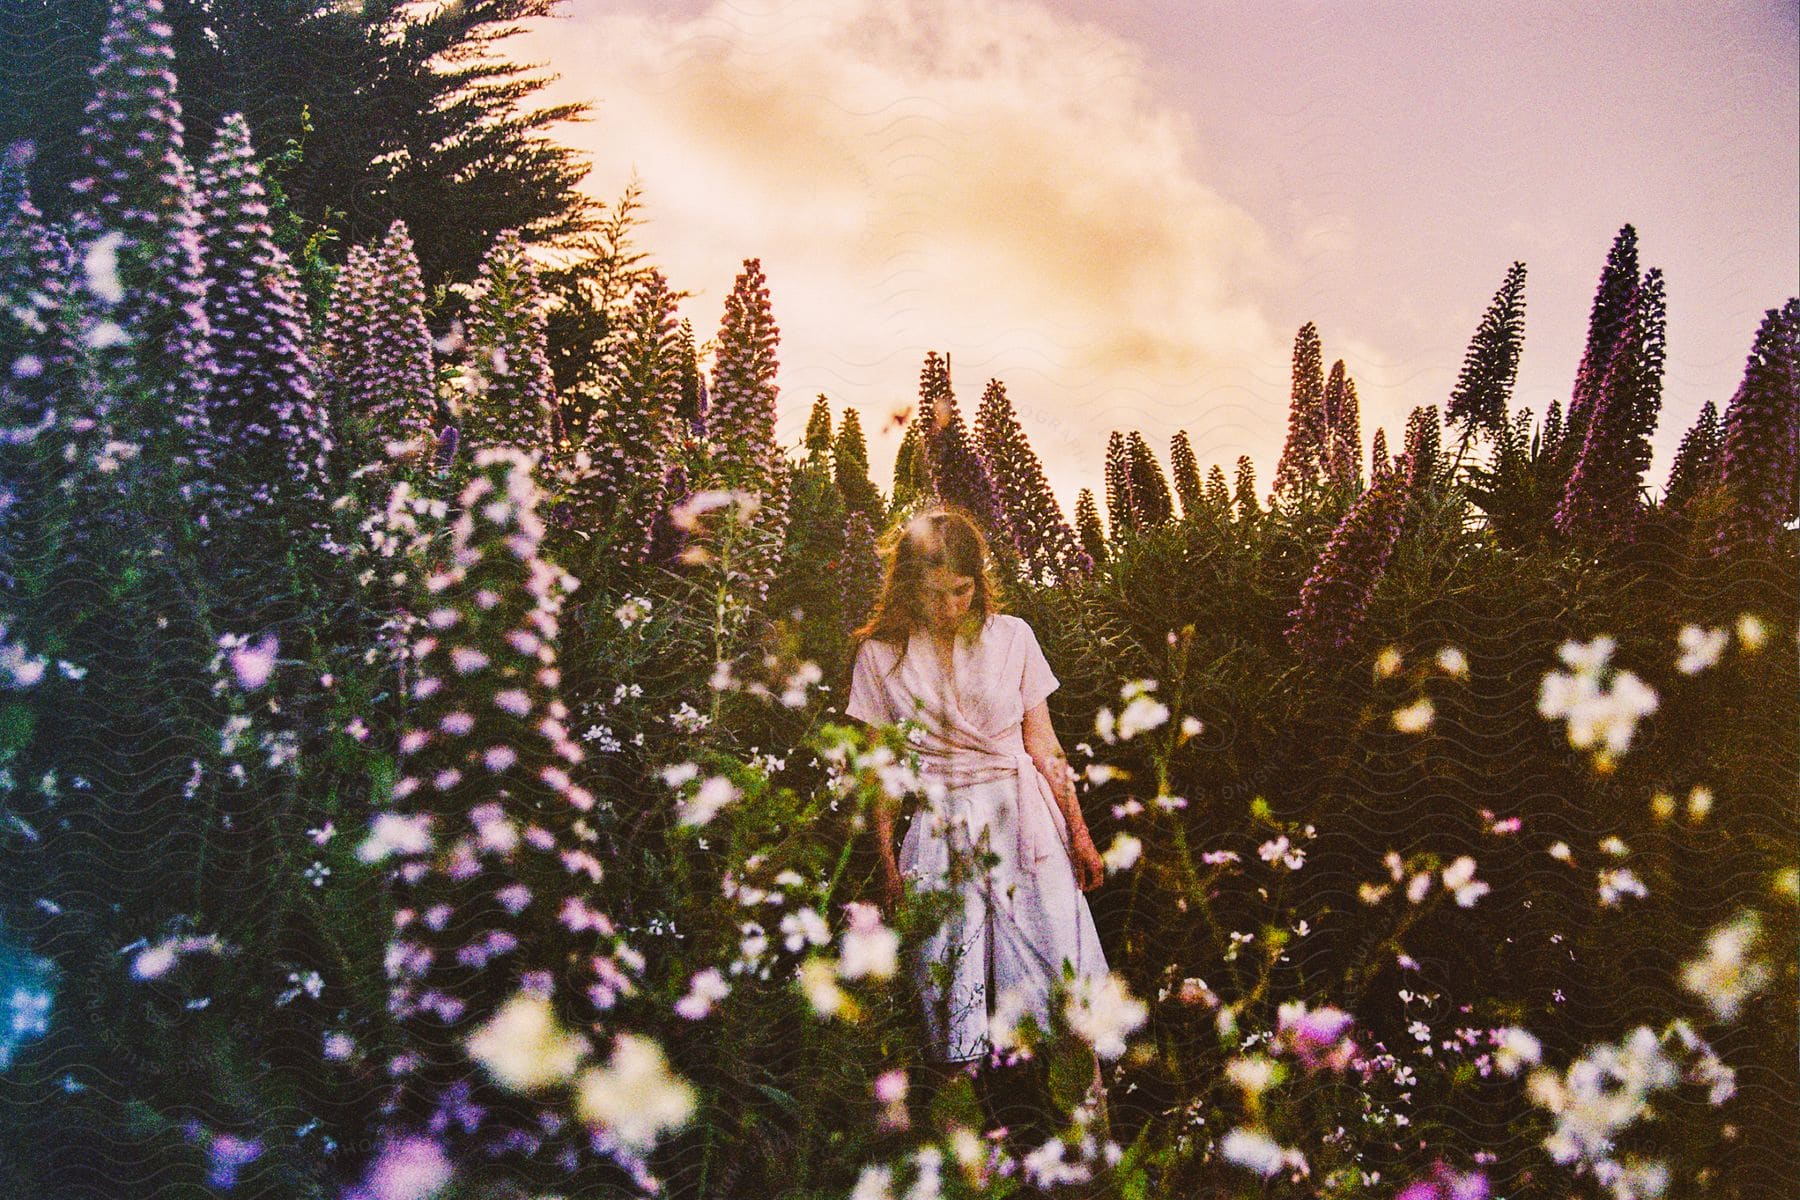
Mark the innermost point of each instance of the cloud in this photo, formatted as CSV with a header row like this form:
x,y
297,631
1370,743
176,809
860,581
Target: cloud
x,y
982,177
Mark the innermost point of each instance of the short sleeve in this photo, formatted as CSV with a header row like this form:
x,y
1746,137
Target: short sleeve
x,y
865,701
1037,681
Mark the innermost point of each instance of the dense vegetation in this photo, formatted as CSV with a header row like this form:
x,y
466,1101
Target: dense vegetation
x,y
420,771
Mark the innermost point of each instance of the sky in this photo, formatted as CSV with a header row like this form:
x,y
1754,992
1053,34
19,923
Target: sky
x,y
1125,211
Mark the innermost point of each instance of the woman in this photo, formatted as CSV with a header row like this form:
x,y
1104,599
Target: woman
x,y
935,649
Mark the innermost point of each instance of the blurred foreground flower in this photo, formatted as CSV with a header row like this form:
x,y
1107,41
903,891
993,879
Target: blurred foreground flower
x,y
1102,1012
635,1097
524,1047
1727,975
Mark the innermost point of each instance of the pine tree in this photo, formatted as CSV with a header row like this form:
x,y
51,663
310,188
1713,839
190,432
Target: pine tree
x,y
1696,465
1491,364
1762,436
1087,526
1049,546
1302,454
511,393
1186,469
405,111
850,465
1606,323
1121,505
273,440
1334,601
1601,498
135,195
1245,493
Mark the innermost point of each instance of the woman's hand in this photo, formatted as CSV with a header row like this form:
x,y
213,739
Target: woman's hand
x,y
893,887
1090,869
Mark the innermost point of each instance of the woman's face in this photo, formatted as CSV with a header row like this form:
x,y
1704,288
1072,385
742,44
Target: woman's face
x,y
946,597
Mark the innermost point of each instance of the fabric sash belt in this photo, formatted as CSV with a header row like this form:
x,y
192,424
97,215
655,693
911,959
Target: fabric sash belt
x,y
1042,828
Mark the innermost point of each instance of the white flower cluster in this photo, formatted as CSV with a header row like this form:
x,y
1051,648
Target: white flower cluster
x,y
740,506
1727,975
630,1100
1608,1089
867,950
1601,703
1140,713
636,609
18,669
1700,648
700,806
1102,1012
1255,1150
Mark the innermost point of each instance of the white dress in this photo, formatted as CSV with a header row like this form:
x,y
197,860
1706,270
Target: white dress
x,y
1021,920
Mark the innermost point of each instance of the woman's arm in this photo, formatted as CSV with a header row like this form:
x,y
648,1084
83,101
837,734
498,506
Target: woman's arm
x,y
1046,751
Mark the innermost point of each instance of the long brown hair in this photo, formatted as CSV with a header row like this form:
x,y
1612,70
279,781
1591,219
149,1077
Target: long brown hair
x,y
940,536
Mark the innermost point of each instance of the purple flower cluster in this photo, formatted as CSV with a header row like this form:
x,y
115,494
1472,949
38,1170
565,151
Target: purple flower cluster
x,y
1216,499
493,851
1149,488
630,432
1761,445
379,372
1342,456
1600,499
1244,493
1088,527
1606,322
1335,598
1048,546
36,349
1424,434
955,470
136,207
1302,455
1492,362
1186,470
740,416
512,395
1696,465
274,444
1121,502
1378,454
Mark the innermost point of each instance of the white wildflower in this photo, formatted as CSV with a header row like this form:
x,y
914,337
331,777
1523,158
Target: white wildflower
x,y
635,1097
706,802
1700,648
1123,854
524,1047
1102,1012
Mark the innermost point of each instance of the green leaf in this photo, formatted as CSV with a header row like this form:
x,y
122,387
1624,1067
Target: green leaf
x,y
17,722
